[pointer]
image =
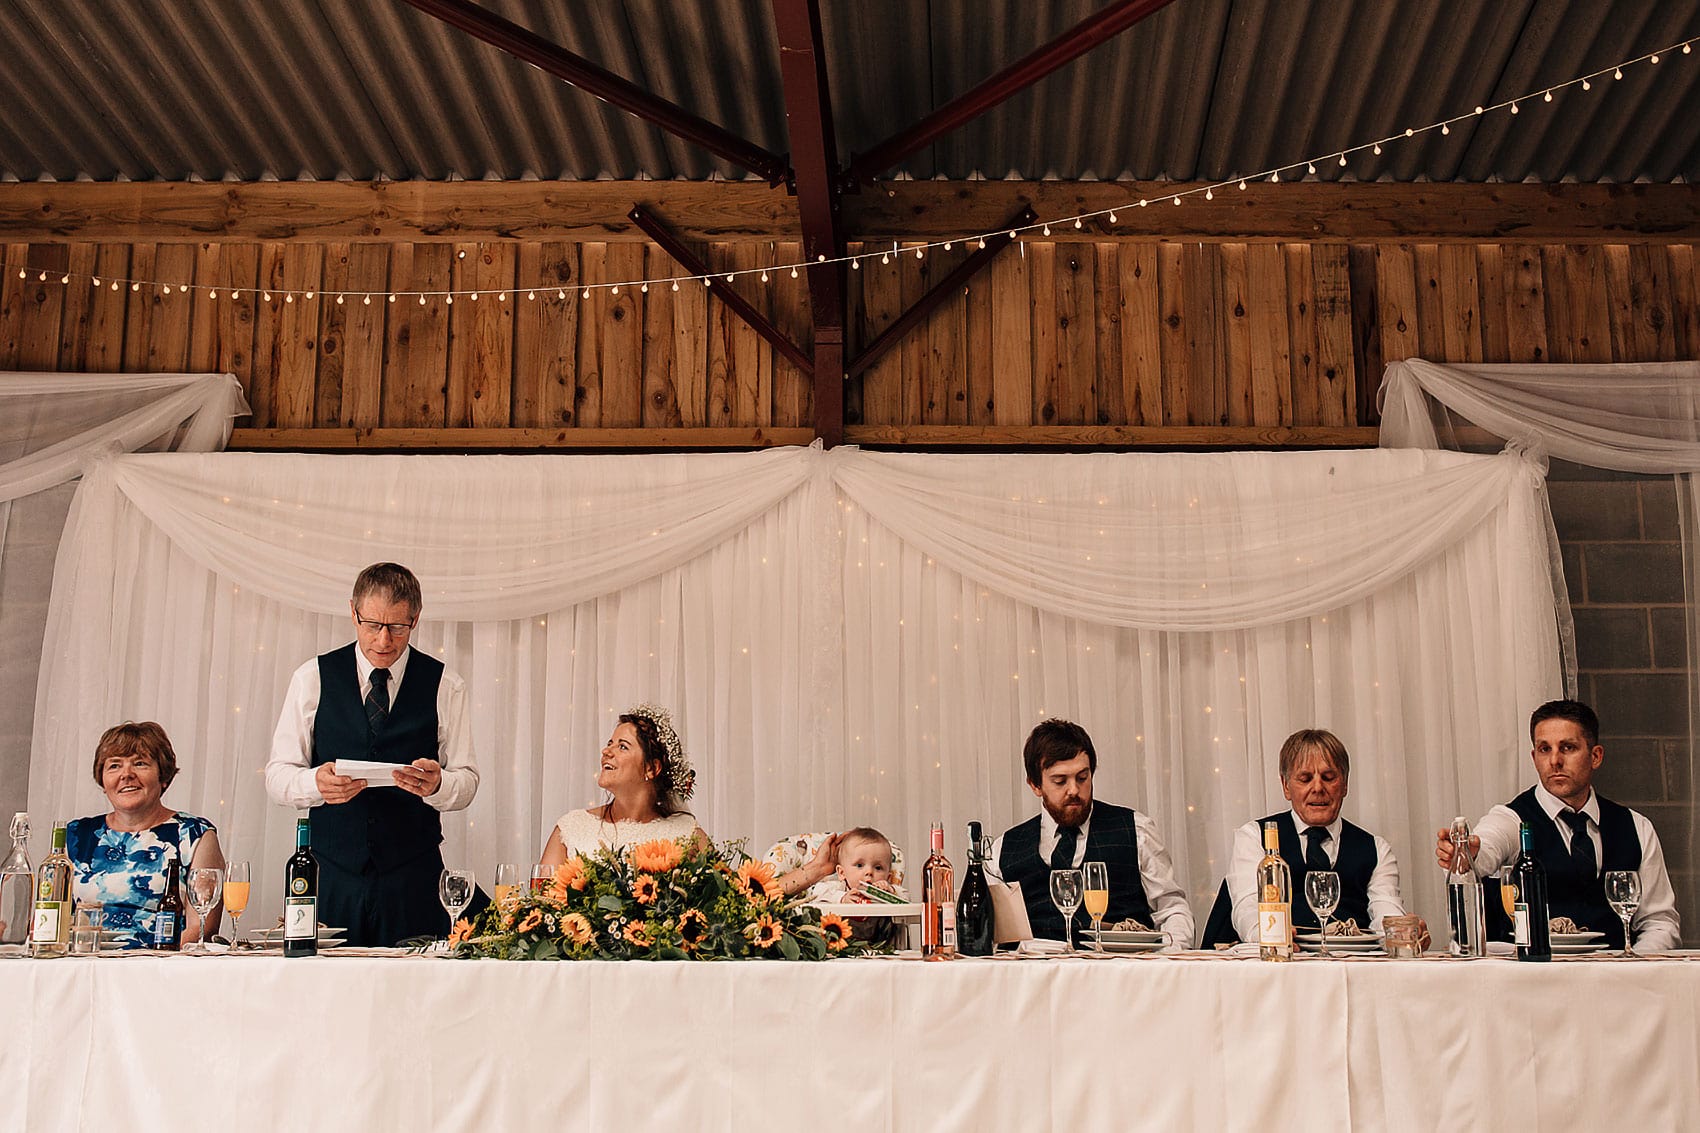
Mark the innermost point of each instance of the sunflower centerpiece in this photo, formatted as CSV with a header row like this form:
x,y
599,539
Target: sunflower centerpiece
x,y
660,900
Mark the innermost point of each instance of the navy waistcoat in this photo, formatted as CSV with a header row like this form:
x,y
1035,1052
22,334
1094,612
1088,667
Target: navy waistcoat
x,y
1111,839
1569,894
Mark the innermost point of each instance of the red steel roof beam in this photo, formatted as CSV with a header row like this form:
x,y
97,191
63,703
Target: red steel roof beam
x,y
1018,76
551,58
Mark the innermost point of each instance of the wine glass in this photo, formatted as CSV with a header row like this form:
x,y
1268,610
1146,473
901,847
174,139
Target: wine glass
x,y
454,890
507,884
1097,898
1322,891
1623,894
204,883
235,897
541,878
1065,895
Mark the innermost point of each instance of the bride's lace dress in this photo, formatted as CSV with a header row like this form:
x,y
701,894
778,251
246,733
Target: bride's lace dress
x,y
585,831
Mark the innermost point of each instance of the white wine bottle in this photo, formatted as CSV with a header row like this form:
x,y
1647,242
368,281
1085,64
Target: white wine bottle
x,y
50,929
1274,899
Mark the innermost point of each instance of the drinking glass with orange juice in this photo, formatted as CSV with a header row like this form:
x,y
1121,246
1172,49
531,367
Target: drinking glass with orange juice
x,y
1508,890
1097,898
507,884
235,897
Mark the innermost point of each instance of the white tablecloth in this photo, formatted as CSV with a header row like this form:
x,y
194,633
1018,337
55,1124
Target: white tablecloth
x,y
248,1042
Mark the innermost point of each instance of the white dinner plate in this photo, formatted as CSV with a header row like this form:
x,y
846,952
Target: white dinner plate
x,y
275,935
1085,943
1342,949
1576,949
1131,936
1364,938
1584,937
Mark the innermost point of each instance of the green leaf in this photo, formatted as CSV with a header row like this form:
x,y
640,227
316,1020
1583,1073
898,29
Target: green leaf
x,y
788,947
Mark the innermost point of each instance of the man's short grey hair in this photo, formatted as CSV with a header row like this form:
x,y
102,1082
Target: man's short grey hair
x,y
392,580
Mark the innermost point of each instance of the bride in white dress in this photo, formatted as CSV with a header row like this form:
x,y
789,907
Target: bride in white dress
x,y
645,770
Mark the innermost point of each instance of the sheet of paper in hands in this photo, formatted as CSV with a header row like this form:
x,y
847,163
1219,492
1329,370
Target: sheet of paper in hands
x,y
1009,914
375,774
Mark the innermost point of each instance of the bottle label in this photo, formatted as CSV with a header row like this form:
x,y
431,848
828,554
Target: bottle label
x,y
947,925
164,929
1273,924
1521,927
45,927
300,918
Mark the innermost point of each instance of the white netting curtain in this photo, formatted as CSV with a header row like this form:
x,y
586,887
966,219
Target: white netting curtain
x,y
1642,417
52,426
845,636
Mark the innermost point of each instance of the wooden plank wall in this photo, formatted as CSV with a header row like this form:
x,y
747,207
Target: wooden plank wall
x,y
1122,333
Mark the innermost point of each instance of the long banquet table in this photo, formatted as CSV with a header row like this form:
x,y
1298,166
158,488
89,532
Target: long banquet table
x,y
1184,1042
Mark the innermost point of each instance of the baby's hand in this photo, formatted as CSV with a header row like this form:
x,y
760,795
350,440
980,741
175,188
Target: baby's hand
x,y
857,897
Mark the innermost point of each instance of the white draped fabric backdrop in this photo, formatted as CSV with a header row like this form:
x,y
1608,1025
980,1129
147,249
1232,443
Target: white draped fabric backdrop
x,y
845,636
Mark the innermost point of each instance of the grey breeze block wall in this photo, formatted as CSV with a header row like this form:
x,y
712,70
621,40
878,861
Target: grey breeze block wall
x,y
1623,562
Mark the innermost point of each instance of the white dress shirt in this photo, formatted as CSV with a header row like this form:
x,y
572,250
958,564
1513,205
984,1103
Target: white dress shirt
x,y
289,770
1384,897
1169,908
1656,927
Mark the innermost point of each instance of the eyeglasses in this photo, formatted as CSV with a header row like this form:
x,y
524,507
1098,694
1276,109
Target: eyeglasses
x,y
397,629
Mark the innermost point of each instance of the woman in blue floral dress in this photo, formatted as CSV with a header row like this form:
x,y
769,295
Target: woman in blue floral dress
x,y
121,857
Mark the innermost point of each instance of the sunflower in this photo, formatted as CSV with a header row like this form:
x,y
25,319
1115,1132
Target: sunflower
x,y
837,931
693,927
461,932
577,928
638,933
766,931
645,889
570,874
530,921
756,881
658,856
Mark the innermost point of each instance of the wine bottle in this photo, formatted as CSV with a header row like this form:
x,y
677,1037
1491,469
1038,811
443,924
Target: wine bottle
x,y
167,935
17,888
50,928
974,904
938,897
301,896
1274,899
1529,916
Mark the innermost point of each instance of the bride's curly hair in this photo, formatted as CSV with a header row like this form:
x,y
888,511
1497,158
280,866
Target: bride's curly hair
x,y
676,779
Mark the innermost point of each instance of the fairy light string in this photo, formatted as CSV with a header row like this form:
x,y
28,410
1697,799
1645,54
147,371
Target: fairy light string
x,y
546,293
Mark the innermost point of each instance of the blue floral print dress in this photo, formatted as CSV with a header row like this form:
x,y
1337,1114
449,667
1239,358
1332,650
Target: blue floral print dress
x,y
125,871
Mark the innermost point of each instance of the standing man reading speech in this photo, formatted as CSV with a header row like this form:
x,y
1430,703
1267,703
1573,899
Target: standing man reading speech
x,y
376,700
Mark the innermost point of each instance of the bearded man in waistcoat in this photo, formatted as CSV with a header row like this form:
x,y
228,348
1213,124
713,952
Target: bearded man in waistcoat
x,y
1071,829
377,700
1315,771
1578,834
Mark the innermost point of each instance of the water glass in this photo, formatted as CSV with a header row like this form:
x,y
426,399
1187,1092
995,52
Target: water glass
x,y
1623,894
1322,892
86,924
1066,895
454,890
205,885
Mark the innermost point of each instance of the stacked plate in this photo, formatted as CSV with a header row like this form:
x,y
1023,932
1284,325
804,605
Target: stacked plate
x,y
272,938
1361,944
1577,943
1122,940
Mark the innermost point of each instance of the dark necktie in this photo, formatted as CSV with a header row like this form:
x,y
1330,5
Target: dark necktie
x,y
1063,856
1315,858
1581,846
378,700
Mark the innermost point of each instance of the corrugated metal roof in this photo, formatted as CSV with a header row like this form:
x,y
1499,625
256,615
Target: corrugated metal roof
x,y
1204,89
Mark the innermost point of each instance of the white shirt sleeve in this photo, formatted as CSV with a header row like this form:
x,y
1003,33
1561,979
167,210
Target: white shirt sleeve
x,y
1242,878
1498,830
1656,926
454,746
1384,898
1171,914
289,769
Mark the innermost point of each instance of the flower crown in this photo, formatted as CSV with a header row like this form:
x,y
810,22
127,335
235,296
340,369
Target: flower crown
x,y
679,776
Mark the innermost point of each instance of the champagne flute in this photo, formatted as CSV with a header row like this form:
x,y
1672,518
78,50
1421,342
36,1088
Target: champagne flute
x,y
1322,891
1508,890
235,898
507,884
1623,894
454,890
204,885
1097,898
1065,895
